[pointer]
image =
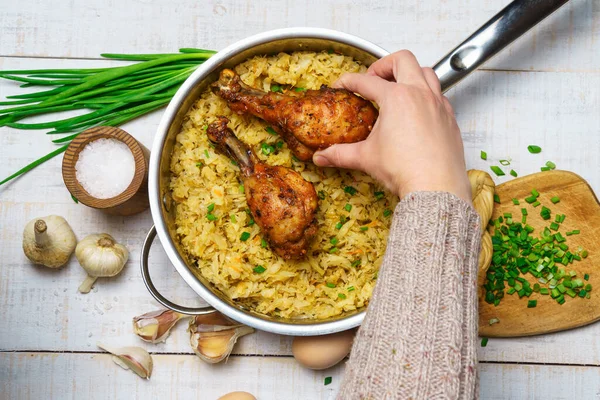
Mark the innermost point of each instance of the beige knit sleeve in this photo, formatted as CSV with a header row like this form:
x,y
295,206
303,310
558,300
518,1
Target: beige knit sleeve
x,y
418,339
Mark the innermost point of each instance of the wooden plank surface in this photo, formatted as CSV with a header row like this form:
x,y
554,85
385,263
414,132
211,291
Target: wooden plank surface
x,y
549,97
565,42
95,376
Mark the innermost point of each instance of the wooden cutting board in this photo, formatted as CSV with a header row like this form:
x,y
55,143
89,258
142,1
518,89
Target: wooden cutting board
x,y
582,210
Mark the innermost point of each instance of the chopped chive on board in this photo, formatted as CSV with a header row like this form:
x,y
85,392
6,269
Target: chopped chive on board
x,y
563,311
483,155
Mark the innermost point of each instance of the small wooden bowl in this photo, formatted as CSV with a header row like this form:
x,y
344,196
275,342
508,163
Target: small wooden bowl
x,y
135,198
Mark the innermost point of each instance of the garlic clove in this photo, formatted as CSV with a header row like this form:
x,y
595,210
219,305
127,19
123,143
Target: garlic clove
x,y
134,358
155,326
213,336
49,241
100,256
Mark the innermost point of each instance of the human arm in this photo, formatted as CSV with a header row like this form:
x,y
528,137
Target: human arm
x,y
418,338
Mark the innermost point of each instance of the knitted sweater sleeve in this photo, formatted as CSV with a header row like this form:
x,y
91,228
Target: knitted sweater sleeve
x,y
418,338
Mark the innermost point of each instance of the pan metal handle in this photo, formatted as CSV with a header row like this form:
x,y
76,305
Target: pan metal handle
x,y
509,24
155,293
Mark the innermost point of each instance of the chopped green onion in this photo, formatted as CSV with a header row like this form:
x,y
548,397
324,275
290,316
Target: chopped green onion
x,y
333,250
334,240
259,269
211,217
339,225
245,236
267,149
348,207
350,288
504,162
327,380
233,218
586,277
299,89
550,165
523,211
544,169
276,88
350,190
514,173
496,198
330,285
555,199
199,165
379,195
537,203
516,202
342,296
356,263
263,243
279,144
535,193
75,199
364,228
531,303
483,155
211,207
497,170
531,199
484,342
554,226
533,149
387,212
270,130
206,153
242,190
321,194
584,254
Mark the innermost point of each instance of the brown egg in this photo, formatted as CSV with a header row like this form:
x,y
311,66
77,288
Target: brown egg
x,y
321,352
237,396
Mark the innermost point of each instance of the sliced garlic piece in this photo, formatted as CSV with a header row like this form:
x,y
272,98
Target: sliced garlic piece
x,y
213,336
134,358
155,326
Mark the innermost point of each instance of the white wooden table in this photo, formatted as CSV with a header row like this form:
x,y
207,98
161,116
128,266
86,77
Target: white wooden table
x,y
544,90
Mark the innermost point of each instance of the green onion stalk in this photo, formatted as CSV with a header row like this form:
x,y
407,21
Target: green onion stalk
x,y
111,96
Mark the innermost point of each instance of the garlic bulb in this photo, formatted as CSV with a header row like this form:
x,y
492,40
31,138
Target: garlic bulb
x,y
213,336
101,256
485,258
134,358
482,189
49,241
155,326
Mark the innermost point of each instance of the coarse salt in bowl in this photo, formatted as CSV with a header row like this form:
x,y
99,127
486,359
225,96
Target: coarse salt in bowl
x,y
105,168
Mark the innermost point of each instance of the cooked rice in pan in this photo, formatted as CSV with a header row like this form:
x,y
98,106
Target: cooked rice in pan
x,y
354,212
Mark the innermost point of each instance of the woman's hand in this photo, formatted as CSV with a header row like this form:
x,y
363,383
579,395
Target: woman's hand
x,y
415,144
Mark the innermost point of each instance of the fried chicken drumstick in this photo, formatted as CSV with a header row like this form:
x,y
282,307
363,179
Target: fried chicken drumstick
x,y
309,120
282,203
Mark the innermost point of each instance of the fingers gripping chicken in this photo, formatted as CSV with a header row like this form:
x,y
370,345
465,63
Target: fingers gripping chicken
x,y
308,120
282,203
